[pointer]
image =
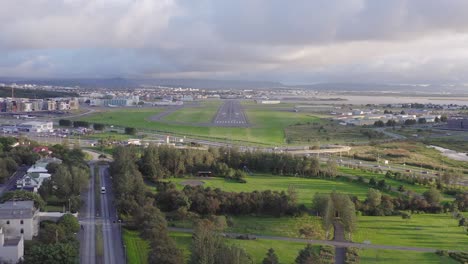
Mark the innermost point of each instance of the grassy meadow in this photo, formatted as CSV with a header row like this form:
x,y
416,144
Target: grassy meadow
x,y
137,249
305,187
267,123
438,231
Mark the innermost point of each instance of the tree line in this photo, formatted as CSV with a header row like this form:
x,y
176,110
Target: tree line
x,y
138,209
159,162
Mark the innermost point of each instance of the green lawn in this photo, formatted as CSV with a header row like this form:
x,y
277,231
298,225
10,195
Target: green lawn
x,y
137,249
379,176
371,256
438,231
257,249
306,188
203,113
268,123
277,226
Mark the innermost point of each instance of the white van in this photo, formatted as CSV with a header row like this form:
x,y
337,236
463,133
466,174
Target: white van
x,y
103,190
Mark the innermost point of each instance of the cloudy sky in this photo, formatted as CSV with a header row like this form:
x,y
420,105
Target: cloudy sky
x,y
299,41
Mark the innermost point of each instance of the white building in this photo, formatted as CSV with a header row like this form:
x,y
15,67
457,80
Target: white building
x,y
11,248
19,218
36,175
36,126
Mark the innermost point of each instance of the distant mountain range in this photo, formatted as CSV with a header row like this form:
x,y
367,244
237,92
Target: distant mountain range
x,y
120,83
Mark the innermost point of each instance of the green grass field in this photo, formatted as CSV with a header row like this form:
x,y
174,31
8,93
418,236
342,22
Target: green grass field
x,y
137,249
286,226
379,256
306,188
257,249
379,176
203,113
268,123
438,231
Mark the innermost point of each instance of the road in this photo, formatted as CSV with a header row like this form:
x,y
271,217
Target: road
x,y
87,218
113,246
321,242
230,114
107,217
10,184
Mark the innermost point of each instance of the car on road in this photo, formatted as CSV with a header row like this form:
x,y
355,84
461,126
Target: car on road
x,y
103,190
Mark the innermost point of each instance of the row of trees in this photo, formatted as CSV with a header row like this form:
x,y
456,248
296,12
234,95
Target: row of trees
x,y
162,162
138,208
57,242
207,201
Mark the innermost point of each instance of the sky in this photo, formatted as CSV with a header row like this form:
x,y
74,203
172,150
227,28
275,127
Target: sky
x,y
298,41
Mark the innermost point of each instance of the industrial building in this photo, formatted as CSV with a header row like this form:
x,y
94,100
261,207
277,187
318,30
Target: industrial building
x,y
458,123
36,126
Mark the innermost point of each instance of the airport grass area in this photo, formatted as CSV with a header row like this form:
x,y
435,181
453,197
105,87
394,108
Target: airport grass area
x,y
267,123
203,113
137,249
305,187
438,231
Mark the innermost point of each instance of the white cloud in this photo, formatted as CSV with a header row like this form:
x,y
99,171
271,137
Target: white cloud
x,y
306,40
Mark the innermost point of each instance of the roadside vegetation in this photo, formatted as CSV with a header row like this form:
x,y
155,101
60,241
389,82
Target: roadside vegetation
x,y
260,194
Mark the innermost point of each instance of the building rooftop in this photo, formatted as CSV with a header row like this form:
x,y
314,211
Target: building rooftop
x,y
12,242
17,209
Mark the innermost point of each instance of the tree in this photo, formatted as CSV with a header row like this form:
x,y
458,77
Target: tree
x,y
433,196
307,256
205,243
319,203
379,123
69,223
57,253
98,127
24,196
422,120
149,164
341,208
65,123
374,197
62,182
232,254
271,257
332,168
130,131
84,124
409,122
443,118
391,122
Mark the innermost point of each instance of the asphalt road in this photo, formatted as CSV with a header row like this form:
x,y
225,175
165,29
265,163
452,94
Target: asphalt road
x,y
230,114
10,184
87,218
113,246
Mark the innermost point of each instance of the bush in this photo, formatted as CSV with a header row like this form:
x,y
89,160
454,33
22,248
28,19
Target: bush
x,y
99,127
65,122
130,131
81,124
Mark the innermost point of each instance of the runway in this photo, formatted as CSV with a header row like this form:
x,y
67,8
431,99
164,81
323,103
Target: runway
x,y
230,114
